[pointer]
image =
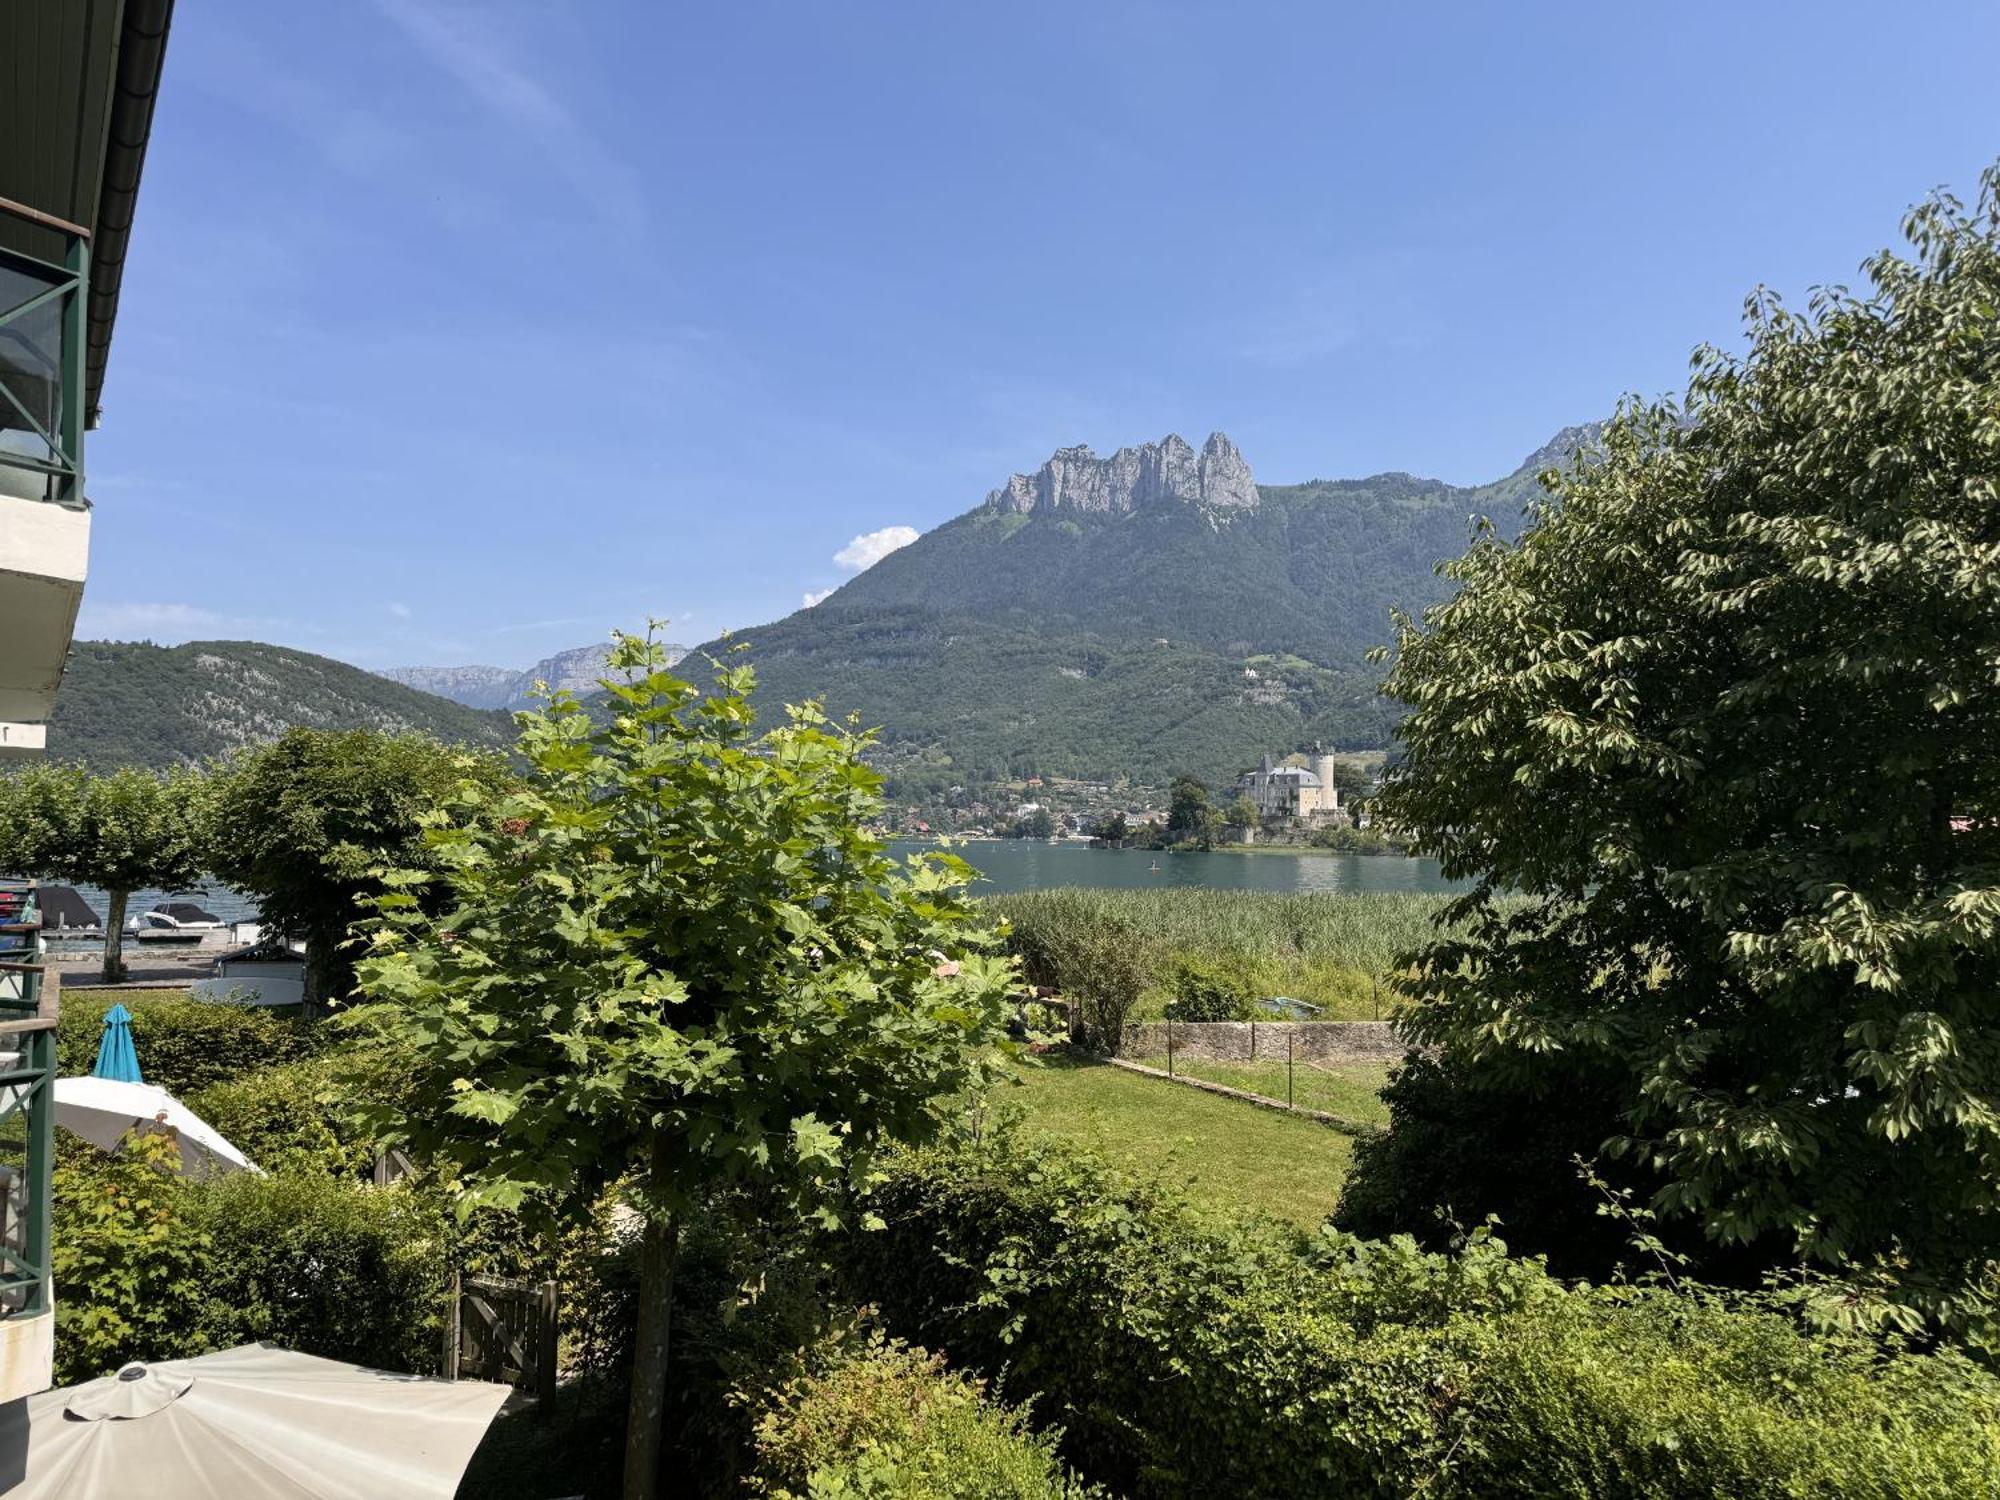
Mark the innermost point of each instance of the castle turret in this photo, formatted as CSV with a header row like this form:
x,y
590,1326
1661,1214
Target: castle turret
x,y
1322,764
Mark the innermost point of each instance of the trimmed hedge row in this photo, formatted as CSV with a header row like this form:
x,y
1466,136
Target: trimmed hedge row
x,y
183,1044
151,1265
887,1422
1189,1357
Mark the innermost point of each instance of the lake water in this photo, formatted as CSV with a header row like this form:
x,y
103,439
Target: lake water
x,y
1027,865
229,905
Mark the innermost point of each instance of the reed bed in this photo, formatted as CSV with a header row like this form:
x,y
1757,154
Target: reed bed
x,y
1332,949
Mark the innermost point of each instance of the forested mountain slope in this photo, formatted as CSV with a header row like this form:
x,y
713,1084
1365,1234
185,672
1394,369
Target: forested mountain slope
x,y
1147,613
134,703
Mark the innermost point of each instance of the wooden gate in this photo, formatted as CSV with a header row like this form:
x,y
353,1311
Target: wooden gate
x,y
497,1329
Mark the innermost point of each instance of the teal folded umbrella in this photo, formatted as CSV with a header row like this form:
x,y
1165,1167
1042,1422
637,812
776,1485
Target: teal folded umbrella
x,y
116,1057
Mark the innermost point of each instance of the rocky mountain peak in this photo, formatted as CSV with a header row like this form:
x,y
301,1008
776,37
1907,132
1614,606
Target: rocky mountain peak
x,y
1150,476
1557,452
579,670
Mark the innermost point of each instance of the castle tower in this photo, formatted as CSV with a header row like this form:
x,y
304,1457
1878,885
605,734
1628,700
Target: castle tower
x,y
1322,765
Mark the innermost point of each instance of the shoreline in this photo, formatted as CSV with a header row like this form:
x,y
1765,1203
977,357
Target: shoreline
x,y
1311,849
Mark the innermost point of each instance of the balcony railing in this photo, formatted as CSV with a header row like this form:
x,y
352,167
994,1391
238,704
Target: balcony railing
x,y
27,1106
42,333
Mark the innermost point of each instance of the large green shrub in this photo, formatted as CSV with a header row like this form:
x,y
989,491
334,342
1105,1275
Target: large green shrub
x,y
331,1268
1464,1146
286,1119
151,1265
183,1045
1725,717
128,1265
1185,1357
888,1422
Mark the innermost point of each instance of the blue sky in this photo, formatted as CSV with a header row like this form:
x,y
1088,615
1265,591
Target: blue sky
x,y
462,332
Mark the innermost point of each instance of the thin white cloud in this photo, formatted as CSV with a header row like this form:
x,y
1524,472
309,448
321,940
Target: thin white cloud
x,y
871,547
136,619
544,624
459,41
400,611
813,596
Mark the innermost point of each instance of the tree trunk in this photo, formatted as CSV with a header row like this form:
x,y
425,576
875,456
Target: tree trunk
x,y
318,974
114,937
658,1246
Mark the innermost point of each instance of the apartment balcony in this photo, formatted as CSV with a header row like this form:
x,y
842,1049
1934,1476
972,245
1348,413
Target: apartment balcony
x,y
27,1147
44,518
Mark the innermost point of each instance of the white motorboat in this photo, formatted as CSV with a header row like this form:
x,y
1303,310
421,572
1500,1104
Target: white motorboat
x,y
175,922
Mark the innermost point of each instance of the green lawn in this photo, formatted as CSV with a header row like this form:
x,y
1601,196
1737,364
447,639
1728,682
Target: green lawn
x,y
1351,1090
1226,1155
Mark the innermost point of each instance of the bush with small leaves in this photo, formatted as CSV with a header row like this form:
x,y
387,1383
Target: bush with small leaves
x,y
1185,1356
884,1421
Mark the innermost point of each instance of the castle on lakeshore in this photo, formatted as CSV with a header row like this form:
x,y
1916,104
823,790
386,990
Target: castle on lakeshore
x,y
1303,792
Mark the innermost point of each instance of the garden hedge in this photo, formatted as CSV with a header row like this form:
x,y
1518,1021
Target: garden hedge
x,y
151,1265
286,1119
1185,1356
184,1045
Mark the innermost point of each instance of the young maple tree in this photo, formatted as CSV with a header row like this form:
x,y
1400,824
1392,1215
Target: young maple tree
x,y
672,957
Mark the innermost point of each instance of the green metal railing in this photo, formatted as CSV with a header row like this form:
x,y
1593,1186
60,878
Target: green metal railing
x,y
42,341
27,1105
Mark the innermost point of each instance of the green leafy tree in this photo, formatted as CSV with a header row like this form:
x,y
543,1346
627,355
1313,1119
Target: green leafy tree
x,y
1112,828
1728,714
1243,813
1191,815
1352,782
123,830
1039,824
671,958
308,822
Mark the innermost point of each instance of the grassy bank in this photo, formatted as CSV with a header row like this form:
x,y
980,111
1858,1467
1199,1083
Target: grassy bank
x,y
1335,949
1223,1154
1351,1090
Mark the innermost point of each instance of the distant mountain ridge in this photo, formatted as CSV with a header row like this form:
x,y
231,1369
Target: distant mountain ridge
x,y
579,670
129,703
1152,612
475,687
1139,615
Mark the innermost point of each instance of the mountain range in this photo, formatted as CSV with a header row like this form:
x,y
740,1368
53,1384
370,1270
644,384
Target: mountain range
x,y
1138,615
132,703
579,669
1152,612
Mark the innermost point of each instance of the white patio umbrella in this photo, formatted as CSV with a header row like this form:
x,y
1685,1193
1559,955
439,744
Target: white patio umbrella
x,y
104,1110
253,1423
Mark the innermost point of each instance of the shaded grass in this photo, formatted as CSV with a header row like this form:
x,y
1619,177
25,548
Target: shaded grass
x,y
1351,1090
1227,1156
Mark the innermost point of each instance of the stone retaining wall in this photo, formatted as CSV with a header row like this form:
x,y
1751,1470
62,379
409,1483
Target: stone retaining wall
x,y
1244,1041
